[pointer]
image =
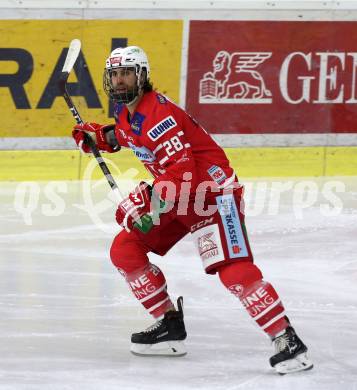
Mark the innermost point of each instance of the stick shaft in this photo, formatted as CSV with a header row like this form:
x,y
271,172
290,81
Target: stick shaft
x,y
145,223
88,140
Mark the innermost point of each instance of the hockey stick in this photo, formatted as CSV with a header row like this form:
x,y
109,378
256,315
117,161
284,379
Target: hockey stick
x,y
145,222
72,55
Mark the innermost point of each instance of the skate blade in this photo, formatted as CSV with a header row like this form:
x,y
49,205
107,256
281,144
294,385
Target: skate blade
x,y
298,363
166,348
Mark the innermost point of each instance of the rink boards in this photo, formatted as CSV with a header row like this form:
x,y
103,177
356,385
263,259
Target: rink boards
x,y
248,162
290,108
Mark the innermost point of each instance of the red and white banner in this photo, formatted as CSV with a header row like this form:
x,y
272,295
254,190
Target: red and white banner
x,y
255,77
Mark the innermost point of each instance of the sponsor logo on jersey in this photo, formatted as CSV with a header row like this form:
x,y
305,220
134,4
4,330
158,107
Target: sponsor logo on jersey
x,y
257,301
201,224
123,134
136,123
142,287
217,174
232,226
142,153
161,99
207,246
117,109
237,290
161,128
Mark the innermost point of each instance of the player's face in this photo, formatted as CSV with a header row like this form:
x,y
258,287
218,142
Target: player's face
x,y
123,79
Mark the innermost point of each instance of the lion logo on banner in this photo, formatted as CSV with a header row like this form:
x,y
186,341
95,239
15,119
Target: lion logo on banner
x,y
234,79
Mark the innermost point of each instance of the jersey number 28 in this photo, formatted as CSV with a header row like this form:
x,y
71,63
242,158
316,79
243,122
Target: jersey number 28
x,y
173,145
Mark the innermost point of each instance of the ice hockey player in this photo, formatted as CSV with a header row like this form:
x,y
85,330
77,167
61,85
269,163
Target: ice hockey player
x,y
194,191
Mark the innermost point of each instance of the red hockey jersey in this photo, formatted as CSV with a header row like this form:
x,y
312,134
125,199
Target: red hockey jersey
x,y
172,145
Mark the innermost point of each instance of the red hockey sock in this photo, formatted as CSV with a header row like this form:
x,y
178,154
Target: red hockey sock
x,y
149,287
265,307
259,297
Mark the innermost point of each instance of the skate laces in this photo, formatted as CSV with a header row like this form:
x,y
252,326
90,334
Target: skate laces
x,y
285,342
281,342
153,327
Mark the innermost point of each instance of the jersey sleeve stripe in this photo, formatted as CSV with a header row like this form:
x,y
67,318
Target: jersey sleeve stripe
x,y
163,160
158,147
228,182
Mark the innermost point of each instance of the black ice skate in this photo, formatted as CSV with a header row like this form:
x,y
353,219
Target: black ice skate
x,y
291,353
164,338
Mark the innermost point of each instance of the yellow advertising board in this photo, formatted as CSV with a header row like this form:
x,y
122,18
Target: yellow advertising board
x,y
32,54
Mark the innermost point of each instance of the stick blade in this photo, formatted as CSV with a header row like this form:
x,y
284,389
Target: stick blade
x,y
72,55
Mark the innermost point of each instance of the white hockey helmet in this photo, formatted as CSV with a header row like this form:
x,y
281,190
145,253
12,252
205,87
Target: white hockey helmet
x,y
126,57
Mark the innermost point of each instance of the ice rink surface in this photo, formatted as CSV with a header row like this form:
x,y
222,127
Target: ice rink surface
x,y
66,315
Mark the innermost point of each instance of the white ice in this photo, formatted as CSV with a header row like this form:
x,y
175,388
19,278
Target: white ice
x,y
66,314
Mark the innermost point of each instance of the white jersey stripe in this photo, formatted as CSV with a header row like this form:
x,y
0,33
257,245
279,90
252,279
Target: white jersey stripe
x,y
271,322
229,181
153,294
158,147
152,308
163,160
267,310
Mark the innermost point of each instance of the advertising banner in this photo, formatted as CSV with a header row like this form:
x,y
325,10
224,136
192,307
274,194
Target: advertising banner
x,y
256,77
32,53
